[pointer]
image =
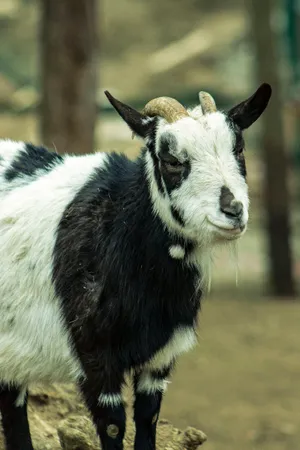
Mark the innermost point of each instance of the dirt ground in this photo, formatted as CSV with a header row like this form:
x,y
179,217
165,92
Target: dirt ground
x,y
240,385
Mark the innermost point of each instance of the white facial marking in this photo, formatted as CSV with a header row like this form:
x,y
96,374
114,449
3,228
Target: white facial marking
x,y
110,399
206,143
161,205
177,251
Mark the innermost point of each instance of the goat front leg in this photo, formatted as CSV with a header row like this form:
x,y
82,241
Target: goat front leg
x,y
102,393
149,386
13,407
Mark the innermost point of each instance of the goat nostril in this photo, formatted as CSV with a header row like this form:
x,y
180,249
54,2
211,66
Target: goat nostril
x,y
234,210
238,208
229,205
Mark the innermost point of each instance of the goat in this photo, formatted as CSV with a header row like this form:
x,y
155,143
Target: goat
x,y
104,259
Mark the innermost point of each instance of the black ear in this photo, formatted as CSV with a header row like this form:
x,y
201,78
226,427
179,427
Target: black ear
x,y
247,112
137,122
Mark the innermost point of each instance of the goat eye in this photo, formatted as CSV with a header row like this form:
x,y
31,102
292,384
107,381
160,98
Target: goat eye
x,y
174,163
174,166
171,163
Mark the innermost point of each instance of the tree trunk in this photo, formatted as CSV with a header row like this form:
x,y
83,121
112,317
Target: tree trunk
x,y
68,109
277,198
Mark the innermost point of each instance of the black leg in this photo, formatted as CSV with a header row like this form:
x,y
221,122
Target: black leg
x,y
102,393
149,387
14,419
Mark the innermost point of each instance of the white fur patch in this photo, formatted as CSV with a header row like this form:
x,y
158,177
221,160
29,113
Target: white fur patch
x,y
34,342
202,258
207,142
149,385
9,151
182,340
21,397
176,251
110,399
161,204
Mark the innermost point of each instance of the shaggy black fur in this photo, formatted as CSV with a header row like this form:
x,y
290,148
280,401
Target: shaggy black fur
x,y
31,160
122,294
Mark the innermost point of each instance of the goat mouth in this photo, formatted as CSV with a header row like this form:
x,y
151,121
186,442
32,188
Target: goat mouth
x,y
228,231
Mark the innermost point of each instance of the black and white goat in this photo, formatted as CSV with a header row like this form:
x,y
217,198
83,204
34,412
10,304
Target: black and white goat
x,y
102,259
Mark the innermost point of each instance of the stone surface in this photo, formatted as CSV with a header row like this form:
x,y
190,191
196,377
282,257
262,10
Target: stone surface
x,y
78,433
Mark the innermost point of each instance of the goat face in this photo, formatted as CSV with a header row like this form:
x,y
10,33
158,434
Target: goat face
x,y
195,164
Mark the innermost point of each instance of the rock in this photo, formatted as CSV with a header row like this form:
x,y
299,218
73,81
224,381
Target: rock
x,y
78,433
192,438
39,398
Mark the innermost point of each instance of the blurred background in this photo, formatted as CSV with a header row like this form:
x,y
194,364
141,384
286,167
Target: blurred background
x,y
241,384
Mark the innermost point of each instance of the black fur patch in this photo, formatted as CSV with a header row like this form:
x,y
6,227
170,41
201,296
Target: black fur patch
x,y
146,413
104,415
167,143
161,374
31,160
239,147
122,295
147,409
172,176
177,216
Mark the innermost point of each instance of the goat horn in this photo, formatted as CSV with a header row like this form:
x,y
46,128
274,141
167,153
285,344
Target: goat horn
x,y
166,107
207,103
